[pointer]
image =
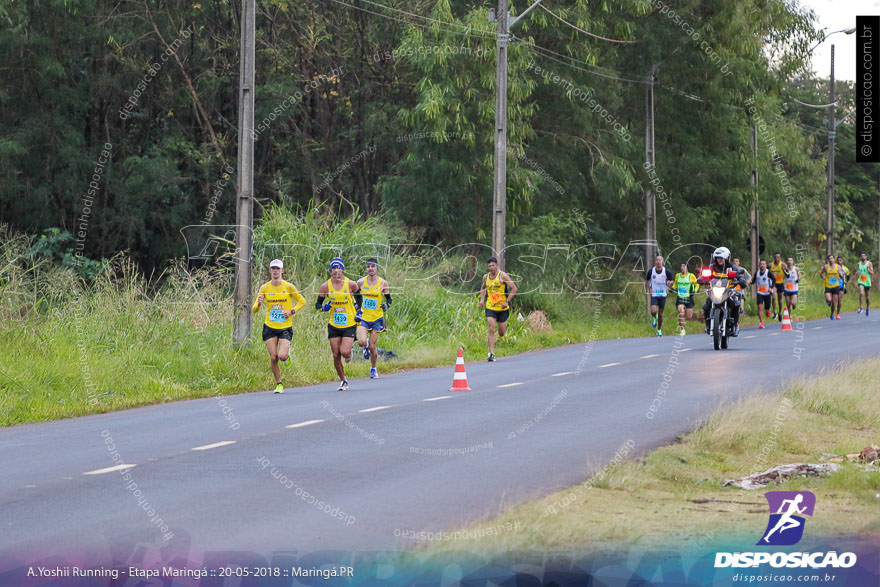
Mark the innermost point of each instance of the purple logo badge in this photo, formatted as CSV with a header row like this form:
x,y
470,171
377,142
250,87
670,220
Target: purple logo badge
x,y
787,511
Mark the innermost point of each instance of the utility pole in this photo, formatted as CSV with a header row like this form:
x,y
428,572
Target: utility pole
x,y
244,216
650,199
832,134
499,201
754,231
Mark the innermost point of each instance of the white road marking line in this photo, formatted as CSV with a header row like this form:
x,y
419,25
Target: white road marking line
x,y
608,365
648,356
511,384
686,350
109,469
306,423
439,397
215,445
376,409
560,374
818,327
775,333
30,486
751,336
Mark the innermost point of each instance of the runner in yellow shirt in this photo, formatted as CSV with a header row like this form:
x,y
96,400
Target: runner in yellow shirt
x,y
832,276
343,303
279,296
500,289
376,299
777,268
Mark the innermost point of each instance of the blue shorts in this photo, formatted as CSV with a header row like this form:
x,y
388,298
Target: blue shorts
x,y
377,325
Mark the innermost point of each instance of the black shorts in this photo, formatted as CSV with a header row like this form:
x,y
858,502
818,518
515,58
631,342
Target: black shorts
x,y
867,287
499,315
348,332
780,287
788,294
765,299
832,290
659,302
686,302
283,333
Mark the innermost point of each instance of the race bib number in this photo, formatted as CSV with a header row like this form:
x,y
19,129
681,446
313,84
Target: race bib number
x,y
833,281
275,314
496,299
790,287
863,279
684,291
371,303
762,289
340,318
659,292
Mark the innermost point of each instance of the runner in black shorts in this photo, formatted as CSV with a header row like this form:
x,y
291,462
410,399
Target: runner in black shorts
x,y
282,301
344,304
496,291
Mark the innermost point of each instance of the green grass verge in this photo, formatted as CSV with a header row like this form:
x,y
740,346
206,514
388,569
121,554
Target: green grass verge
x,y
73,348
674,496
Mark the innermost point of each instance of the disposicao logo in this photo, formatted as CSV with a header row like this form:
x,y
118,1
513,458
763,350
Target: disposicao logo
x,y
787,511
785,528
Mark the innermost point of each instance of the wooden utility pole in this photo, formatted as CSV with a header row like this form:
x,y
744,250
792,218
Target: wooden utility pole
x,y
650,197
499,200
244,216
754,235
832,134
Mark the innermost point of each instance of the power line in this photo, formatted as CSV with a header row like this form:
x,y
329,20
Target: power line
x,y
416,24
580,30
546,53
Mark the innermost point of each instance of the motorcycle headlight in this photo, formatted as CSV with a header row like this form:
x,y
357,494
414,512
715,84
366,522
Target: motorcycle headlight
x,y
717,292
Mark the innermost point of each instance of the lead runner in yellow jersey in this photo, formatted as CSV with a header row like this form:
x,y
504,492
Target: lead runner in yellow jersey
x,y
279,296
343,303
496,292
376,295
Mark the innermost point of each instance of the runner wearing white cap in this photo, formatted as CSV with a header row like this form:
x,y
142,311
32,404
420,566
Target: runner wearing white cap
x,y
279,296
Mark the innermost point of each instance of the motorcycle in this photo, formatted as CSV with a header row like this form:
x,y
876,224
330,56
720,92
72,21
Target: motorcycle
x,y
724,307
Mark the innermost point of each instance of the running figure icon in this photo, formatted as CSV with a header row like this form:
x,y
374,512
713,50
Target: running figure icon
x,y
787,516
787,522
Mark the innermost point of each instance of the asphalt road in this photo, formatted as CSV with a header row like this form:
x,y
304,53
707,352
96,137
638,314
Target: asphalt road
x,y
319,469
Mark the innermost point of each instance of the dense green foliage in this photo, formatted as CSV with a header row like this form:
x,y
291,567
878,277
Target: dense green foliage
x,y
120,120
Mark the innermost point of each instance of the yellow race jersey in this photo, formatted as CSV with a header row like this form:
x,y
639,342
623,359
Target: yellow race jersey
x,y
496,292
342,313
832,276
778,273
277,299
372,304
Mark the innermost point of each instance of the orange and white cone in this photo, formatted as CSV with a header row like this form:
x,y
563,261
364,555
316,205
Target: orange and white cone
x,y
786,320
459,378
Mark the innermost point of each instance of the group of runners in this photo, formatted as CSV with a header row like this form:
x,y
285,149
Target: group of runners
x,y
357,311
357,308
773,283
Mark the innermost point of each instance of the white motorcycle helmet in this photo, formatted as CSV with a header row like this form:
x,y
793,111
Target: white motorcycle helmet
x,y
722,252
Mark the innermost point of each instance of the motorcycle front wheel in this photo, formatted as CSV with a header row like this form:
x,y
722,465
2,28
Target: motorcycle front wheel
x,y
716,328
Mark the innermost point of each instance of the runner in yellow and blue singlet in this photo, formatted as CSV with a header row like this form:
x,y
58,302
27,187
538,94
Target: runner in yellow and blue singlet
x,y
343,302
376,299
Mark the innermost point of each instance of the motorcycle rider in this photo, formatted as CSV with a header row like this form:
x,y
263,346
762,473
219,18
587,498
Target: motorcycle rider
x,y
720,266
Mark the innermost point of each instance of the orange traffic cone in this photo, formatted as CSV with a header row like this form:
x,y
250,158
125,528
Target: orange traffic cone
x,y
786,320
459,378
